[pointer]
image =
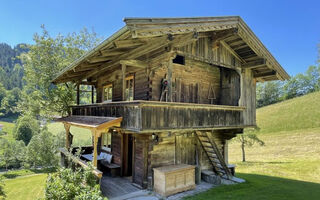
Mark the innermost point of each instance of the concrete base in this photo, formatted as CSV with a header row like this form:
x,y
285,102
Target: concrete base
x,y
210,177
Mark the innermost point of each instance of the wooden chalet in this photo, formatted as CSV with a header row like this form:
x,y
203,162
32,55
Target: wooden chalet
x,y
169,91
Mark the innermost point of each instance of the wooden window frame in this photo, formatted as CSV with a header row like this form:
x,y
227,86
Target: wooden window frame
x,y
103,92
104,146
133,86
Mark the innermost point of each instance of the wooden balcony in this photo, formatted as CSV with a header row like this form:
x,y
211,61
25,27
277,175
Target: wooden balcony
x,y
154,116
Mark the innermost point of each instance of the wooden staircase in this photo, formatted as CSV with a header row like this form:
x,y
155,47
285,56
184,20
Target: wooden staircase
x,y
214,155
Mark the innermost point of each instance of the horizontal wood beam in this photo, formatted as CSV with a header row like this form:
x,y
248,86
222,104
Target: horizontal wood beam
x,y
183,40
134,63
255,63
265,74
128,43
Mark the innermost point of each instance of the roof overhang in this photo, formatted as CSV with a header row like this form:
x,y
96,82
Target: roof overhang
x,y
141,35
91,122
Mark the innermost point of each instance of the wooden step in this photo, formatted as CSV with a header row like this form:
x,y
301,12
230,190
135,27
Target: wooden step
x,y
211,151
205,141
208,145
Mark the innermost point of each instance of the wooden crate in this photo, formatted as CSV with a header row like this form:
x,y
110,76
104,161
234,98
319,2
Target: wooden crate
x,y
173,179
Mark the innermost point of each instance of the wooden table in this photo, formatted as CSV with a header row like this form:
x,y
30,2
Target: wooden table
x,y
173,179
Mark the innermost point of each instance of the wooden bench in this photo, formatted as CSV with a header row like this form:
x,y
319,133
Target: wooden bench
x,y
112,167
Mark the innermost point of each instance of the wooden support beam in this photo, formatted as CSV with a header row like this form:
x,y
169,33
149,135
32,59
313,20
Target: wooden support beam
x,y
123,66
265,74
255,63
170,80
67,128
78,94
95,148
100,59
134,63
231,51
92,94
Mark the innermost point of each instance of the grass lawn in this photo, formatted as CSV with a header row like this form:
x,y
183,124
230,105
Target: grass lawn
x,y
81,136
26,187
288,166
8,129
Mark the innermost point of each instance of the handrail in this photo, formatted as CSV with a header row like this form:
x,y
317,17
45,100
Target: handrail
x,y
162,104
82,163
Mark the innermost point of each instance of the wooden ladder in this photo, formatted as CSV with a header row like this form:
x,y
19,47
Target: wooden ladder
x,y
214,155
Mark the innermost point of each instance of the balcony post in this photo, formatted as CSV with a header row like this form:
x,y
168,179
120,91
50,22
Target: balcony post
x,y
78,94
123,66
92,94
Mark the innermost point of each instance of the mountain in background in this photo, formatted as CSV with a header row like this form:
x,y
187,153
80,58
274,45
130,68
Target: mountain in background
x,y
11,70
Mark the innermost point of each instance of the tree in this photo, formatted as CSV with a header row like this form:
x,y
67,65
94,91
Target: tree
x,y
41,150
268,93
9,102
12,153
68,184
3,94
248,139
26,127
45,59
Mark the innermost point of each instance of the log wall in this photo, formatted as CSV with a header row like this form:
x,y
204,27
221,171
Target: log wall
x,y
194,82
248,97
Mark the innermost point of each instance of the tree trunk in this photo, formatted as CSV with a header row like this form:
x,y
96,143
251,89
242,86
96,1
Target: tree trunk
x,y
243,152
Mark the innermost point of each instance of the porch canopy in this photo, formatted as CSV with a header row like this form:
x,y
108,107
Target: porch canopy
x,y
97,125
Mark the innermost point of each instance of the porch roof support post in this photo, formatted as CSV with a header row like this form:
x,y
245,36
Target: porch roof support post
x,y
78,94
95,148
67,128
92,94
123,66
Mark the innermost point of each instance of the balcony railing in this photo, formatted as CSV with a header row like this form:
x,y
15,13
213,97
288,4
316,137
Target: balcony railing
x,y
154,116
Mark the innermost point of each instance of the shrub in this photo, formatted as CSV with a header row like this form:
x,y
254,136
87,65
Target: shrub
x,y
67,184
2,194
26,126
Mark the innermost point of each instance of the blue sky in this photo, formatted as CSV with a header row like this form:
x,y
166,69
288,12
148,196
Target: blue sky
x,y
289,29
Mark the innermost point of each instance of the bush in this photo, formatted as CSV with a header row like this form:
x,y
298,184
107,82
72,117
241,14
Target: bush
x,y
68,184
26,126
2,194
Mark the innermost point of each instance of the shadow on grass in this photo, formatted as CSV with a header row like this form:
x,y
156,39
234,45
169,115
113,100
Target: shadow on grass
x,y
16,173
262,162
263,187
10,119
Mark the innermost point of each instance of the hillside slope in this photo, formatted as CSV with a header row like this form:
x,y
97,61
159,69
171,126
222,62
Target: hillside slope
x,y
294,114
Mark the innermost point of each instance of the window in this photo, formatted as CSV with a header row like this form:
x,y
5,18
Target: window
x,y
107,93
179,60
129,88
106,142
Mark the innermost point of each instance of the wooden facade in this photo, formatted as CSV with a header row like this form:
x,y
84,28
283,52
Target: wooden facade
x,y
183,87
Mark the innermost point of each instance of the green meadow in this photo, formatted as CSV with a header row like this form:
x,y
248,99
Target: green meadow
x,y
288,166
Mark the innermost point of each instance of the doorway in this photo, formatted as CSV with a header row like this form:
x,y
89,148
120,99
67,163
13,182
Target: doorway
x,y
127,154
